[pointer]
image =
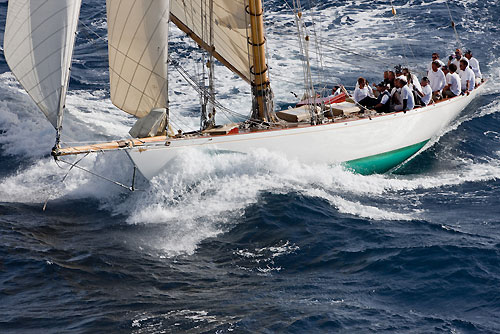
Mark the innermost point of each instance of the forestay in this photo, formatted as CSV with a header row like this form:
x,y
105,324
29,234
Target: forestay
x,y
138,52
38,46
230,30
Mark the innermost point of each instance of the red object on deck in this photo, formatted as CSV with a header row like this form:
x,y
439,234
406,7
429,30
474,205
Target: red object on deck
x,y
327,100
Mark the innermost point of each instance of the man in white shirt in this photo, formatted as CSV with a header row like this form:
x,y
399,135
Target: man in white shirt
x,y
435,57
362,90
426,95
474,64
396,102
455,59
452,89
467,77
437,80
447,73
406,96
412,80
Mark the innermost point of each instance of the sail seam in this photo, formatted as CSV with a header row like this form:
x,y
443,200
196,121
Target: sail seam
x,y
137,55
205,46
155,99
128,50
230,31
41,42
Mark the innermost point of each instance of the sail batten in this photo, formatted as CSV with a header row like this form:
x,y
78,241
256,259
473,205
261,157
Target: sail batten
x,y
38,46
138,53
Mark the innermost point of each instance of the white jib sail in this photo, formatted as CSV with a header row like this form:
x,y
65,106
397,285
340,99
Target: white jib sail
x,y
38,46
230,29
138,52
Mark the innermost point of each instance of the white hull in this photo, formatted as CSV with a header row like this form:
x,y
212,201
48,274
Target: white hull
x,y
326,143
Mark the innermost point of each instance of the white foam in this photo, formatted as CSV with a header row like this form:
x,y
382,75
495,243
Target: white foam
x,y
26,132
203,194
37,183
262,260
356,208
155,323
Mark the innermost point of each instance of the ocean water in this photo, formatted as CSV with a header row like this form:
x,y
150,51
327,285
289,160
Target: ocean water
x,y
257,243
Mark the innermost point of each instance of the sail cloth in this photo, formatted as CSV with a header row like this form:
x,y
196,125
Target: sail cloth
x,y
138,52
230,30
38,46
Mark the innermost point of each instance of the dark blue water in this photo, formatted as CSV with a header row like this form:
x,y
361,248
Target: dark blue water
x,y
257,243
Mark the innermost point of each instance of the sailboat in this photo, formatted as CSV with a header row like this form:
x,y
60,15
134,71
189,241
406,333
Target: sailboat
x,y
38,46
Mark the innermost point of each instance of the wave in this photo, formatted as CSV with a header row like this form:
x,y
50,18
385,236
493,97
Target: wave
x,y
203,194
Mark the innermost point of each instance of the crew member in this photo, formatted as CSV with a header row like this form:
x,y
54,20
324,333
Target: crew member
x,y
435,57
437,80
406,95
362,90
467,77
455,59
426,95
384,99
474,64
452,89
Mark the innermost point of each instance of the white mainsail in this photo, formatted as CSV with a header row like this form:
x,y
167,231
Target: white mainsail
x,y
138,52
230,30
38,47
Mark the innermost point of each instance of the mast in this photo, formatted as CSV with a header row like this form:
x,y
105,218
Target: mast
x,y
261,88
207,120
211,68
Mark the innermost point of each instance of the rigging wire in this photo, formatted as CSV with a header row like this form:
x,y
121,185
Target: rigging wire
x,y
399,28
131,188
90,29
268,58
192,82
328,45
459,43
303,39
63,179
335,60
75,165
99,38
203,99
319,53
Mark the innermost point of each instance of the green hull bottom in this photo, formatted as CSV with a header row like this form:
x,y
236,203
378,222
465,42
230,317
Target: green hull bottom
x,y
381,163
